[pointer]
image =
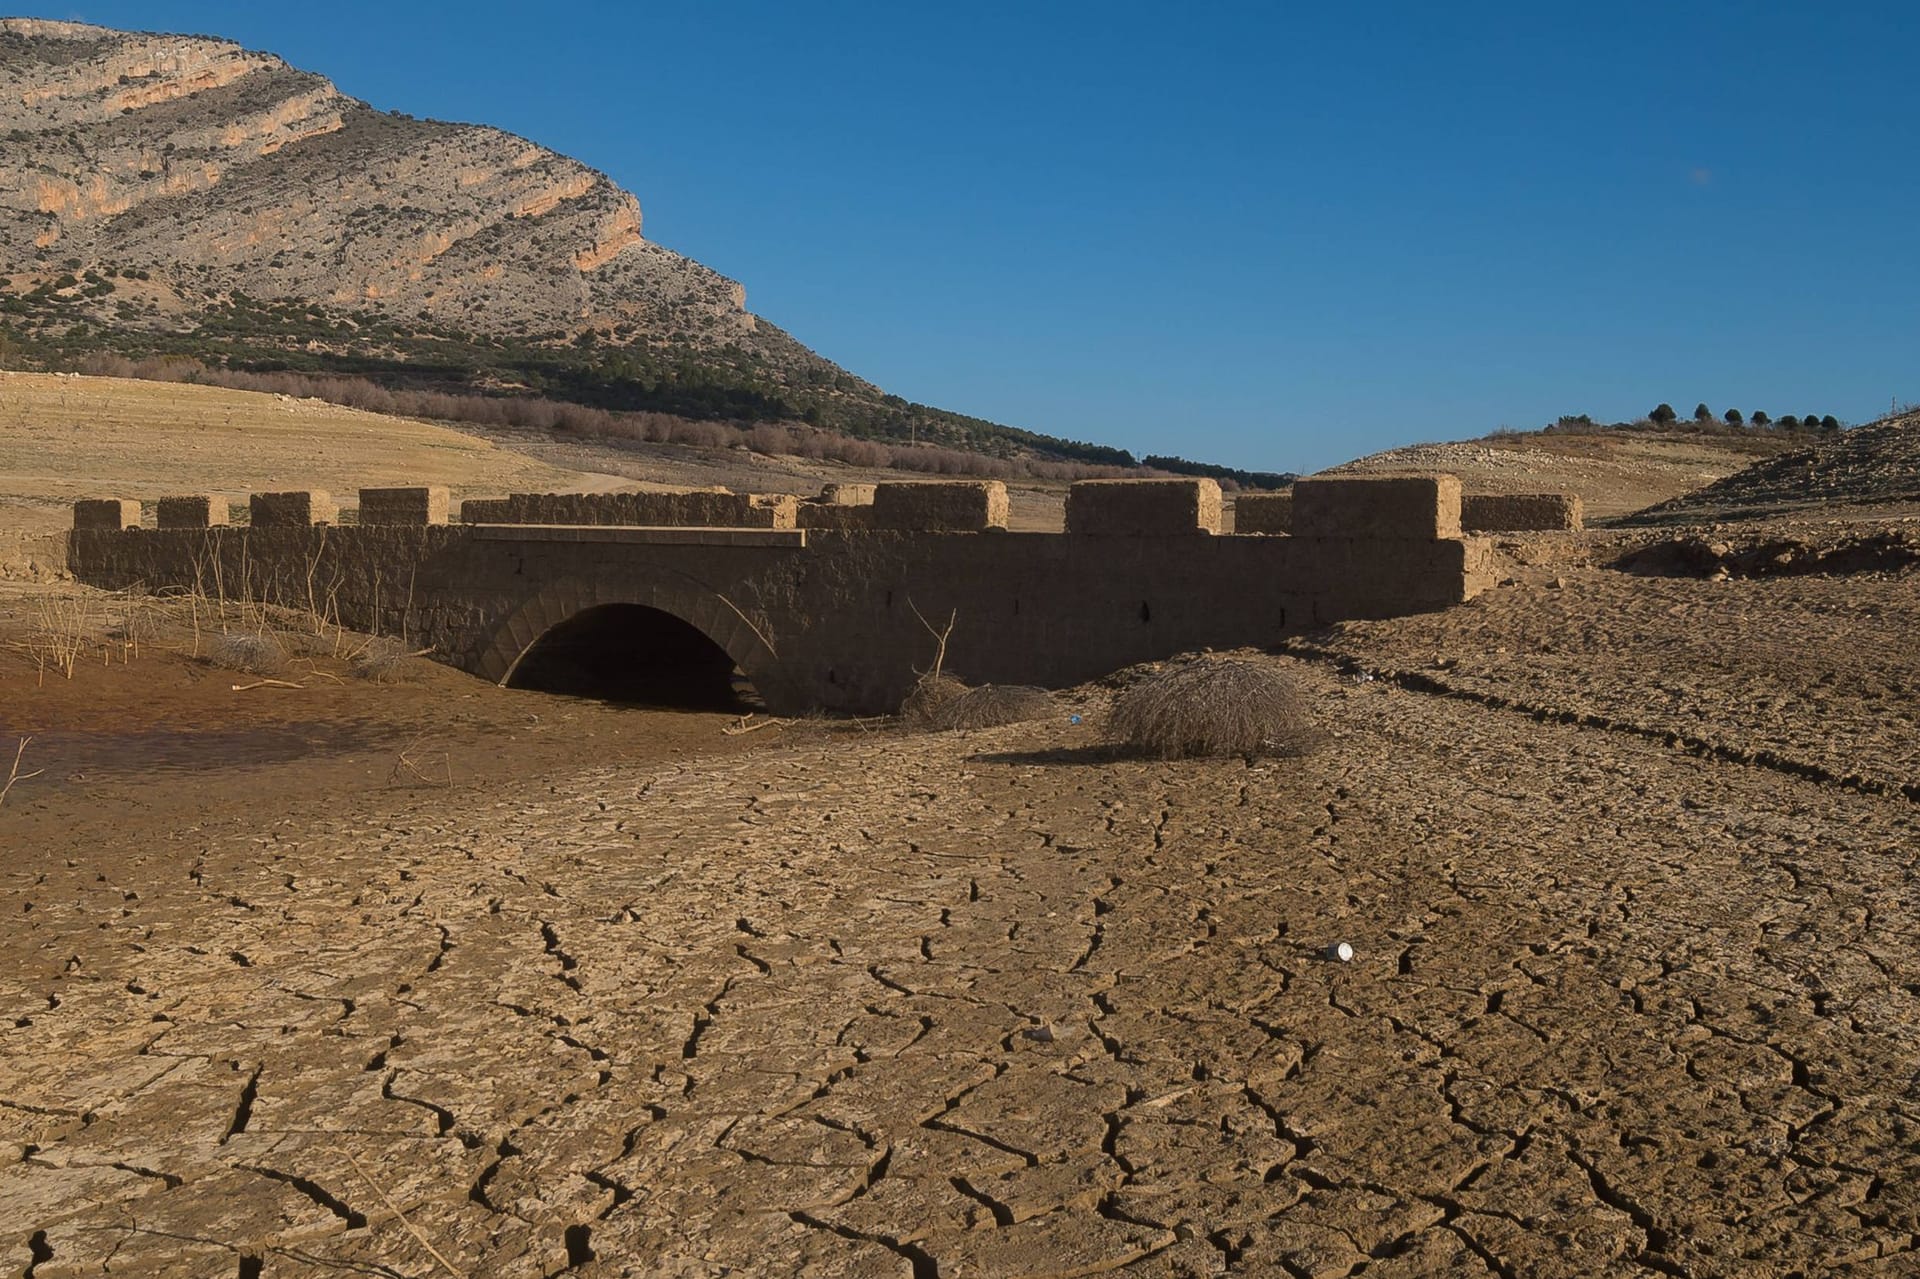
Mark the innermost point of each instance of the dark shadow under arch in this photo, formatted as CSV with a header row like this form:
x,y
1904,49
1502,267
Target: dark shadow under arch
x,y
634,654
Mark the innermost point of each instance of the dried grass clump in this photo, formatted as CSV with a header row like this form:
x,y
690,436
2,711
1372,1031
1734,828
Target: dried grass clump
x,y
928,695
1215,706
991,705
380,660
253,654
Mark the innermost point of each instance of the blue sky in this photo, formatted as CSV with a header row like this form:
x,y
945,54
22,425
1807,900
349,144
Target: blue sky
x,y
1274,235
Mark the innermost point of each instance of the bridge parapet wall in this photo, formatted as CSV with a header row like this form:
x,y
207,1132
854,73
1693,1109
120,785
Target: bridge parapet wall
x,y
687,508
910,506
816,618
1522,512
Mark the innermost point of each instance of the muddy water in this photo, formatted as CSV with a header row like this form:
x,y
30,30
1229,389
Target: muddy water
x,y
73,758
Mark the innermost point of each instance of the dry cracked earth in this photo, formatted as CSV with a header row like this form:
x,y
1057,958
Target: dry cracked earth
x,y
1634,988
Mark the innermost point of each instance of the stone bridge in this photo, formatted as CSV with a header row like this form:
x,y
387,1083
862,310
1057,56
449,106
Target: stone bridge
x,y
825,603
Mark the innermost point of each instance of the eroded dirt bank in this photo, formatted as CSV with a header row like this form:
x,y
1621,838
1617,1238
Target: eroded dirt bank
x,y
844,1003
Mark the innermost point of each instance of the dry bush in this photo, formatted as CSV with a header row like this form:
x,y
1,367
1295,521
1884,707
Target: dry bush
x,y
68,628
930,694
382,659
991,705
1215,706
250,653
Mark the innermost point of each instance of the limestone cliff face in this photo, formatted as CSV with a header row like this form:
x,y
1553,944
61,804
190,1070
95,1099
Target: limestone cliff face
x,y
212,167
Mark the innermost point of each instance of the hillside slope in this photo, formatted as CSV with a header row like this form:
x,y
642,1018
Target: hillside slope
x,y
1615,472
1873,469
166,195
64,437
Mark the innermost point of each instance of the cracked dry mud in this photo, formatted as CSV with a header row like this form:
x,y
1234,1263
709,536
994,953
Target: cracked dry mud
x,y
992,1004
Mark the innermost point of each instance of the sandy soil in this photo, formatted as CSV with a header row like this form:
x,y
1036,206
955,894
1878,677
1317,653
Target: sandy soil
x,y
1627,865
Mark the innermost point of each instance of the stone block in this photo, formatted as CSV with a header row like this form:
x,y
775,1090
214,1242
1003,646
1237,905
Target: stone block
x,y
1144,507
846,495
299,508
201,510
106,513
942,506
422,505
1522,512
1371,574
845,519
1263,513
1417,507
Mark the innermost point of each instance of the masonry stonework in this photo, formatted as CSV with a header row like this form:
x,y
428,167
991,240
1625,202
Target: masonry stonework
x,y
299,509
1263,513
1415,507
427,504
201,510
823,618
1522,512
685,508
106,513
1138,508
952,506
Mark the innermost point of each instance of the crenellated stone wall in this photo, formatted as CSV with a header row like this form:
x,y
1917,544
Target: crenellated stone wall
x,y
684,508
827,617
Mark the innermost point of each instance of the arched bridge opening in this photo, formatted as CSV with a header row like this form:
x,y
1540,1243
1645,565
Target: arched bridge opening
x,y
636,655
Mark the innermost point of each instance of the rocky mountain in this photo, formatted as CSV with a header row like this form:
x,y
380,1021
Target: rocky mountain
x,y
219,168
182,196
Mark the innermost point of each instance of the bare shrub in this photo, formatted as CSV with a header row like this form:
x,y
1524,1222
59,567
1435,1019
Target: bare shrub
x,y
381,660
528,412
930,694
991,705
250,653
1215,706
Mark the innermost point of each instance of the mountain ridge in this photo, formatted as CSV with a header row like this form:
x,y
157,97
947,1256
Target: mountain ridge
x,y
170,196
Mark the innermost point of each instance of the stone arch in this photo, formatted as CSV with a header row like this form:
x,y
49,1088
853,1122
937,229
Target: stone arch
x,y
700,607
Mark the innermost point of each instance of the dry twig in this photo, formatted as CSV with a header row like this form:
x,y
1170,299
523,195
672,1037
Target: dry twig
x,y
407,766
14,774
940,638
742,725
401,1217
